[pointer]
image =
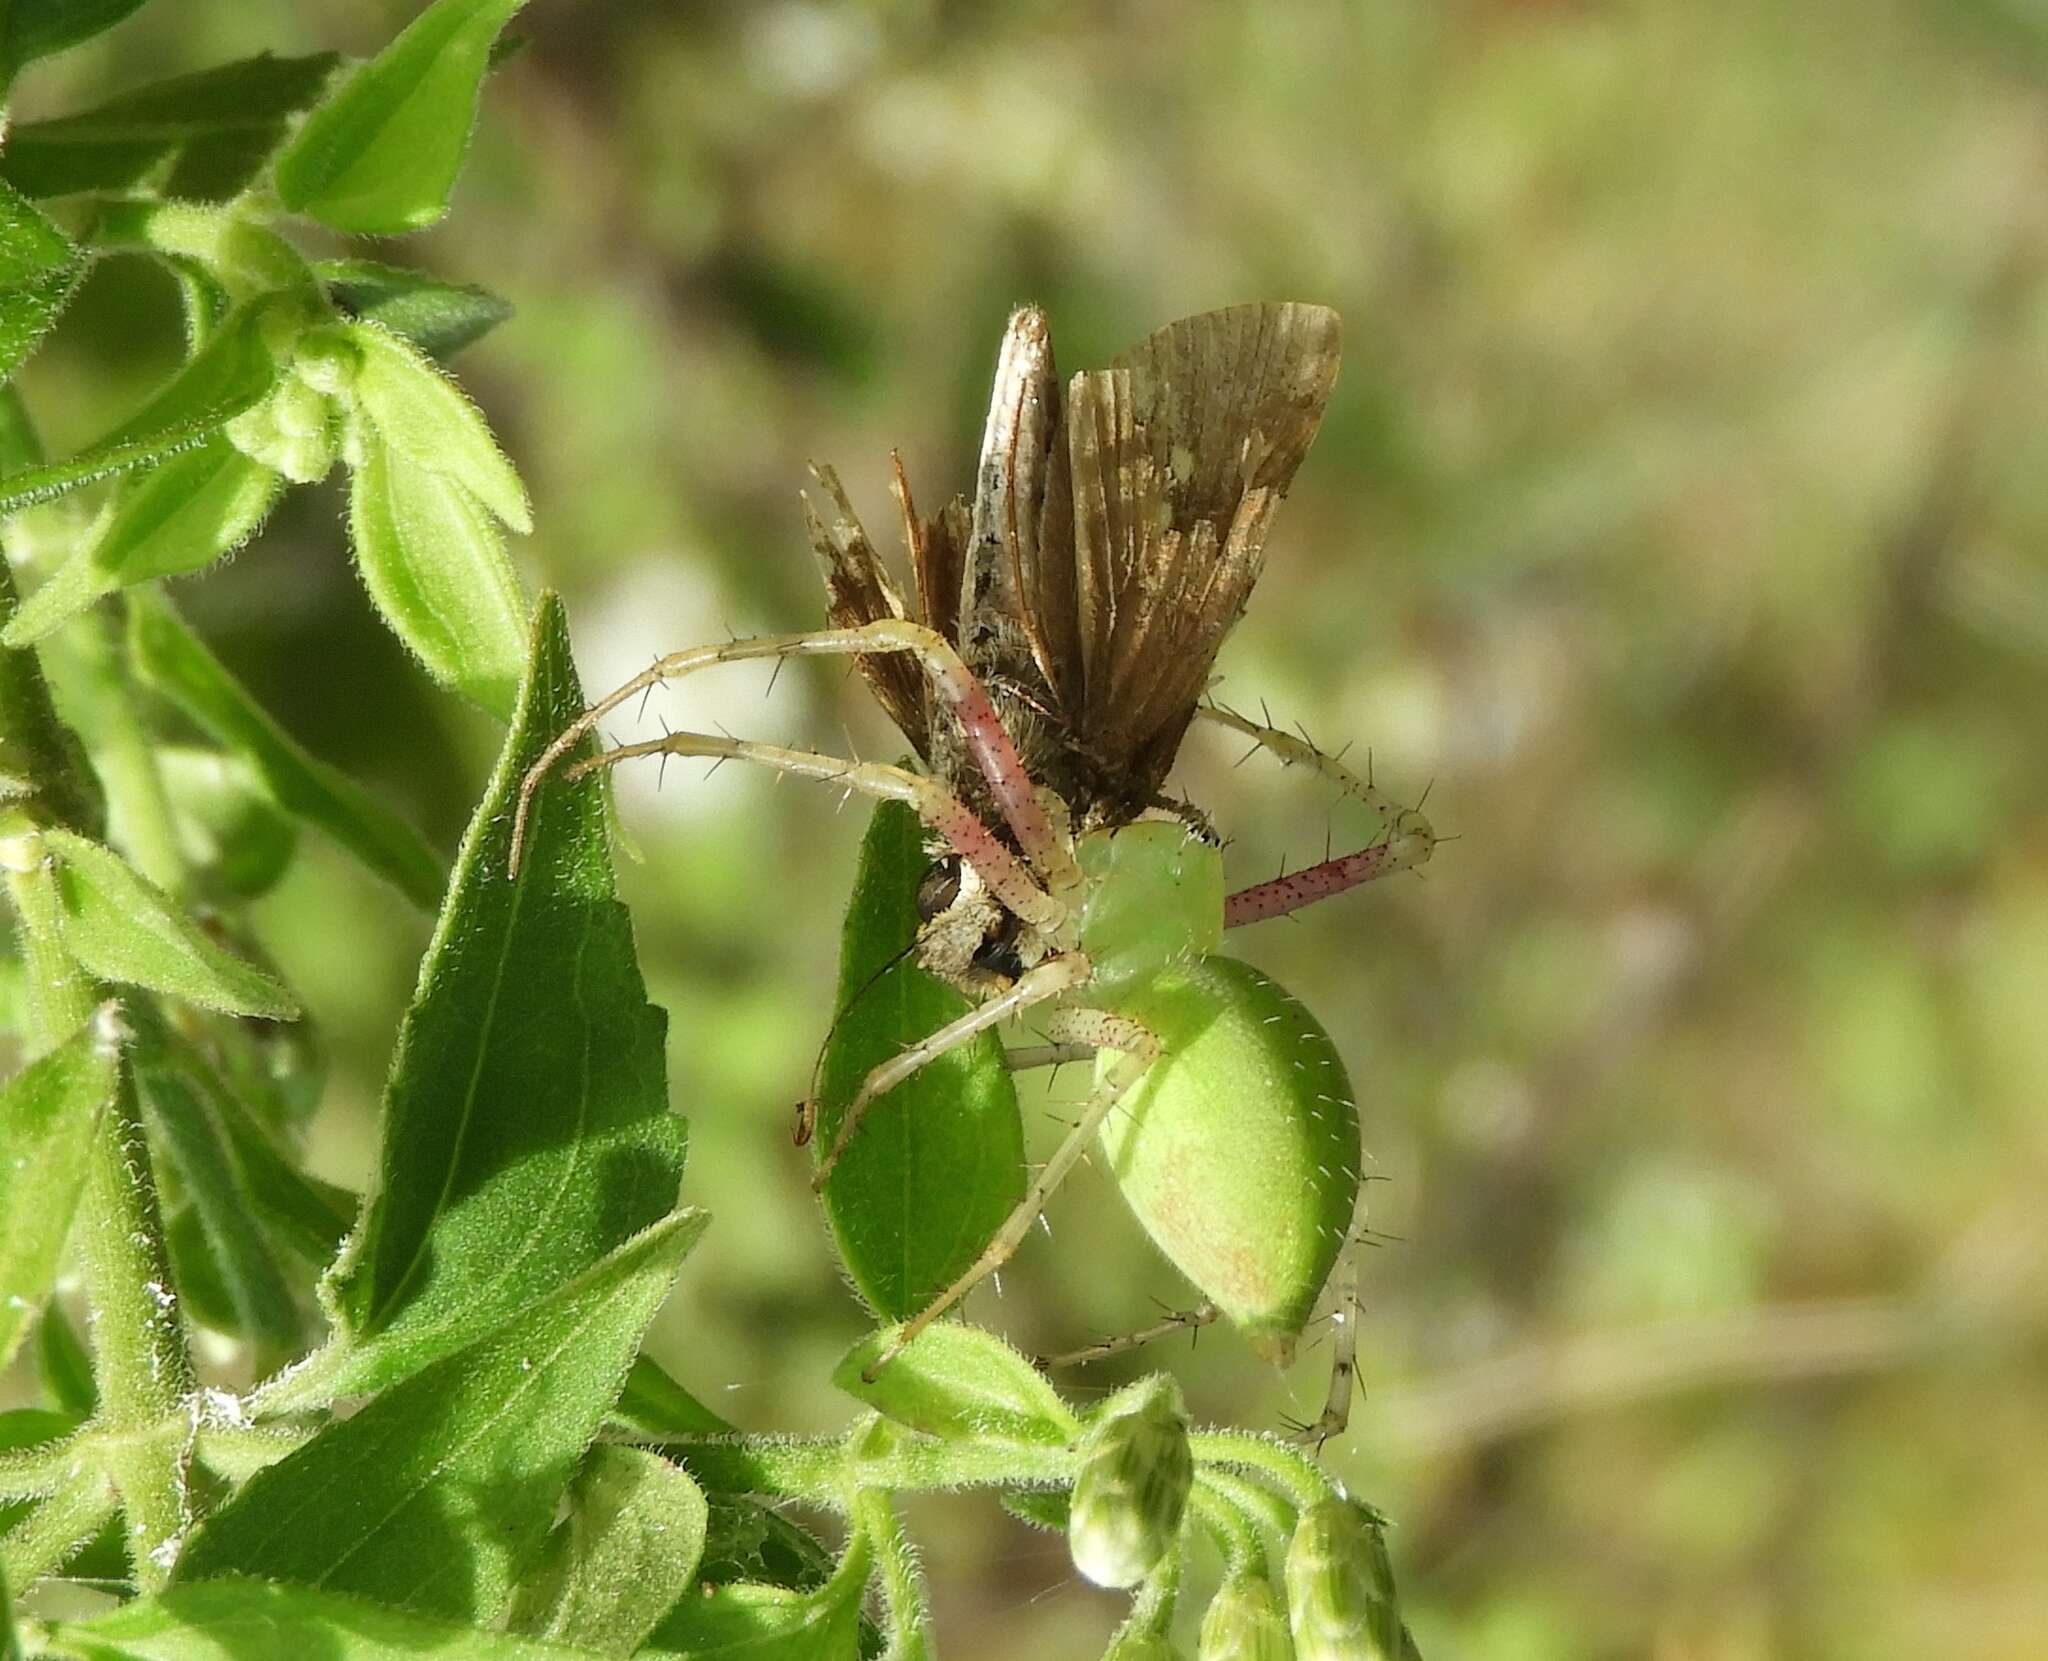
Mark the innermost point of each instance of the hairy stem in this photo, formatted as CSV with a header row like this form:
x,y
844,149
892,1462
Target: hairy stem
x,y
1294,1474
903,1599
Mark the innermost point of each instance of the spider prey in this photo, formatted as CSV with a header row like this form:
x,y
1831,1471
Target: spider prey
x,y
1064,630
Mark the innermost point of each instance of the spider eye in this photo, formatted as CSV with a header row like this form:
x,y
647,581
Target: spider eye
x,y
940,888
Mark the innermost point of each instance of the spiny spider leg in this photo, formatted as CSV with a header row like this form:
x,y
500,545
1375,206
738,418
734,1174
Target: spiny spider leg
x,y
1100,1030
1181,1320
1407,841
1023,1058
1006,875
1336,1413
956,685
1048,980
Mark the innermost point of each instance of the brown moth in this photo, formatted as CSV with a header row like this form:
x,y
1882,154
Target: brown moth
x,y
1112,543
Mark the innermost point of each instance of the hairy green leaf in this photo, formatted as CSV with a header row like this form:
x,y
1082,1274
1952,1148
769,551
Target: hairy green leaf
x,y
418,410
253,1620
436,1495
435,565
526,1125
10,1640
380,156
745,1621
64,1366
124,928
47,1113
955,1380
39,269
190,511
31,29
177,664
655,1406
622,1557
746,1540
230,372
438,317
938,1162
187,1112
205,135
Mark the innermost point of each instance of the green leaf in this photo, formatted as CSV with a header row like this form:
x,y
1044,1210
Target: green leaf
x,y
381,154
124,928
31,29
190,511
938,1163
230,372
437,1494
172,659
527,1129
186,1111
39,269
955,1380
420,412
654,1406
435,565
205,135
438,317
619,1561
250,1620
236,842
65,1367
746,1540
749,1622
47,1113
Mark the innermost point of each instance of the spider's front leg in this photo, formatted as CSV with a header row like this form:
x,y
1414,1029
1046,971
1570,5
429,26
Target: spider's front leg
x,y
1049,980
956,686
1008,878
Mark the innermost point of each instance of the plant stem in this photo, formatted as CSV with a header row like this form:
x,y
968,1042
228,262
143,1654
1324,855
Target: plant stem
x,y
1252,1499
140,1359
821,1470
1293,1473
903,1599
59,994
72,1515
1235,1533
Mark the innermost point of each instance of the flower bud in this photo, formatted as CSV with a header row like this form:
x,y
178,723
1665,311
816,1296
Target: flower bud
x,y
1132,1488
1140,1646
1340,1587
1244,1623
326,360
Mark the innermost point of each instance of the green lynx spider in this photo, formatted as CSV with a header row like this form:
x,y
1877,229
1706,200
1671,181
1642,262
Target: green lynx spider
x,y
1105,898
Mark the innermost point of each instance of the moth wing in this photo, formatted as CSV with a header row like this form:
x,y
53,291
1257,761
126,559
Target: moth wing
x,y
1179,453
859,589
1019,569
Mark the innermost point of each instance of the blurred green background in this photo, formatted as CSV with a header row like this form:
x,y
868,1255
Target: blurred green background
x,y
1680,513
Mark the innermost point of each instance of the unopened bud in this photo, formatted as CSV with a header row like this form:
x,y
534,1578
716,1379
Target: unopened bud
x,y
327,361
1340,1587
1133,1486
1244,1623
1140,1646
